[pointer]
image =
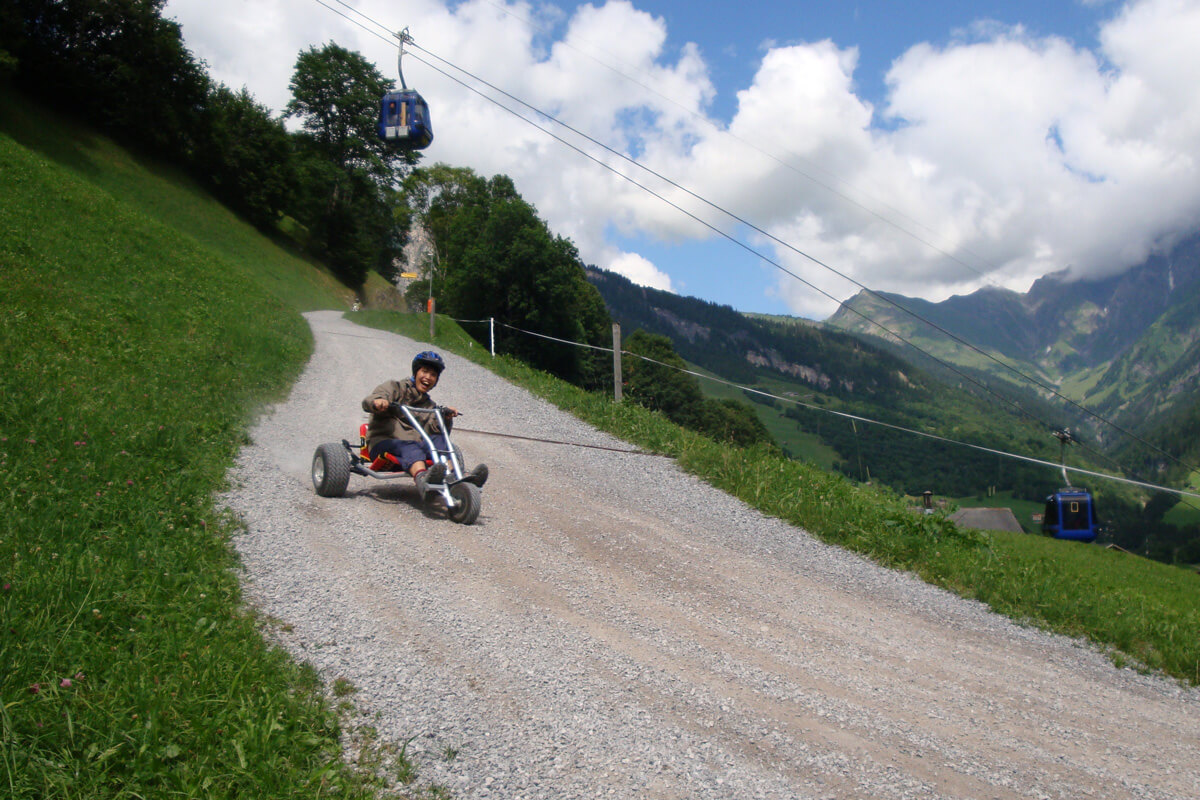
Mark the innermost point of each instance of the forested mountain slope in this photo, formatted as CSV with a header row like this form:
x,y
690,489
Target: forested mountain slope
x,y
817,371
1126,347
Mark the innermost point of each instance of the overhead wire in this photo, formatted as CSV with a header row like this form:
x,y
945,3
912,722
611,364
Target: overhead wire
x,y
858,417
1011,403
982,385
1015,405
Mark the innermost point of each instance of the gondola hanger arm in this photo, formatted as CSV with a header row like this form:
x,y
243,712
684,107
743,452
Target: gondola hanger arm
x,y
404,38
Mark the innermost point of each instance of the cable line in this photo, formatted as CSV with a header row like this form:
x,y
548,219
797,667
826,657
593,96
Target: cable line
x,y
555,339
777,159
1015,406
634,452
860,418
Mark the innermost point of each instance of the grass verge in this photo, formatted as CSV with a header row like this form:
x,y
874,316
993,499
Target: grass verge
x,y
166,195
132,357
1145,612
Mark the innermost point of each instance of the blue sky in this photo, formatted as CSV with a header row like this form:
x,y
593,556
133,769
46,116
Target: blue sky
x,y
926,148
881,30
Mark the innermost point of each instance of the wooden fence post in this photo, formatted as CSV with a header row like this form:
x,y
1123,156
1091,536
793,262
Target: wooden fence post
x,y
616,362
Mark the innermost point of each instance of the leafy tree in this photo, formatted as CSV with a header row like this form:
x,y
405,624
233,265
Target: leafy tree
x,y
498,259
656,382
346,174
115,63
450,204
246,156
335,94
730,421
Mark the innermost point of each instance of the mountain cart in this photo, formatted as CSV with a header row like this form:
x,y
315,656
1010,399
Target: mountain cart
x,y
334,462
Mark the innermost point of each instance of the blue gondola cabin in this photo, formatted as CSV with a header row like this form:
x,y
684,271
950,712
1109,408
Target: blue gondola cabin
x,y
404,120
1070,514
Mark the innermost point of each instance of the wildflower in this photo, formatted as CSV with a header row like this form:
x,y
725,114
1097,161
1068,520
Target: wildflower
x,y
7,587
65,683
35,688
129,482
79,676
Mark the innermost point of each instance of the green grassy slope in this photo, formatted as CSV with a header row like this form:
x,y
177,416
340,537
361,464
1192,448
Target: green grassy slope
x,y
140,328
167,196
784,432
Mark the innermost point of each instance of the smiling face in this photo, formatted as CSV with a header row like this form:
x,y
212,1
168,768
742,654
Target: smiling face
x,y
426,378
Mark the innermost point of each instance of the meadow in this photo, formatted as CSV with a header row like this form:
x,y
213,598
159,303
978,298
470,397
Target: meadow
x,y
141,328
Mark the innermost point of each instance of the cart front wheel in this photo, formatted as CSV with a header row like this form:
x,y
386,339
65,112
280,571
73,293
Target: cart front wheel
x,y
330,470
467,503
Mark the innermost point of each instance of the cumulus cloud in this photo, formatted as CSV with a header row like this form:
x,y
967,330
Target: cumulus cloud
x,y
995,157
640,270
997,160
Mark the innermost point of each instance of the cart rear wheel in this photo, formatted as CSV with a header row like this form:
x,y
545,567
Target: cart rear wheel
x,y
330,470
467,503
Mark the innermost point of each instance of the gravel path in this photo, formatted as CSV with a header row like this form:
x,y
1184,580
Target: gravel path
x,y
613,627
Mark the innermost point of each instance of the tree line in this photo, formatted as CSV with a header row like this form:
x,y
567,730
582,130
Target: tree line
x,y
718,337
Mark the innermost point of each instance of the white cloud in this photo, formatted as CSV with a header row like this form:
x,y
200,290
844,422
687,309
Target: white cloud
x,y
1013,157
995,158
640,271
1060,158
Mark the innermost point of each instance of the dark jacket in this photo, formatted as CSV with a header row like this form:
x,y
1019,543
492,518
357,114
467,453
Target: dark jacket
x,y
386,425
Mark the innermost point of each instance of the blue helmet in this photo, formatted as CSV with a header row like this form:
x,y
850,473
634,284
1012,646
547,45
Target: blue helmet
x,y
430,359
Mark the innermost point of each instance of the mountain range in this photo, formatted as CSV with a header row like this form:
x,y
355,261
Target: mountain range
x,y
1126,348
837,400
1117,360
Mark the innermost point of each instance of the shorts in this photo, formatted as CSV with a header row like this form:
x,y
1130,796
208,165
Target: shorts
x,y
408,452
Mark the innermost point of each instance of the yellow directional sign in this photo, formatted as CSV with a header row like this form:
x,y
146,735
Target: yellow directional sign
x,y
409,275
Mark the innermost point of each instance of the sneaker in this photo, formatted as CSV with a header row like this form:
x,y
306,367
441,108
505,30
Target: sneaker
x,y
436,473
422,480
477,476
